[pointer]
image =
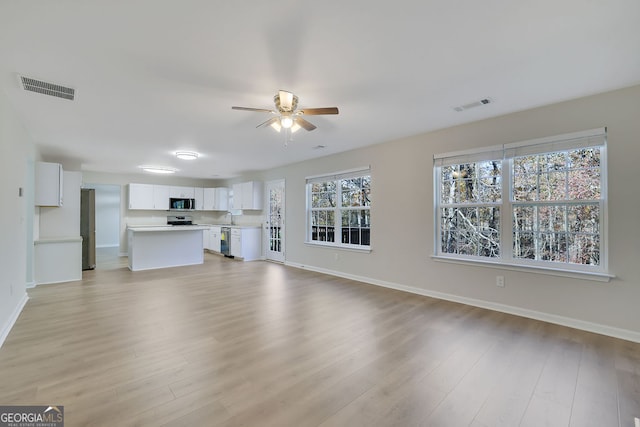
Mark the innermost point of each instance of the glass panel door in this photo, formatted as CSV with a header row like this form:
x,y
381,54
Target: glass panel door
x,y
274,222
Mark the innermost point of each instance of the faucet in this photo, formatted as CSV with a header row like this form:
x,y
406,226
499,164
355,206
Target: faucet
x,y
230,218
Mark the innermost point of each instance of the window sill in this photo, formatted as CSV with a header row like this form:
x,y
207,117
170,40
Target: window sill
x,y
586,275
361,249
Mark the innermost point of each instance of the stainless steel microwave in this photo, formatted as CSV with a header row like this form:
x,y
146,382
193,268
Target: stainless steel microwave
x,y
182,204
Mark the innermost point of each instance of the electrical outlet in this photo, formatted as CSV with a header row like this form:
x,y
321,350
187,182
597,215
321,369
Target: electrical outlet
x,y
500,281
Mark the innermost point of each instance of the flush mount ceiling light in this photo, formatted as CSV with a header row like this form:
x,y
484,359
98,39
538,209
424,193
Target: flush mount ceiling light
x,y
158,169
186,155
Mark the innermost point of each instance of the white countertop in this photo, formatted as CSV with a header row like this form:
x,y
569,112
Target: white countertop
x,y
146,228
233,226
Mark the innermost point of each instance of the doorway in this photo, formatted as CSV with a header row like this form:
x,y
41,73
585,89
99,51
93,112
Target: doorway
x,y
107,225
274,228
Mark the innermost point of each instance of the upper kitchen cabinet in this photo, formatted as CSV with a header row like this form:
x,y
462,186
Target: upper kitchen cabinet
x,y
183,192
141,196
199,196
247,195
149,197
49,184
216,199
161,195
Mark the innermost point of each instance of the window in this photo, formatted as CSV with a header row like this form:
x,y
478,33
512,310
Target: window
x,y
538,203
338,209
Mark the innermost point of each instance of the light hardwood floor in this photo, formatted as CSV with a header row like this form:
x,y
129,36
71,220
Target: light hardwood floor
x,y
259,344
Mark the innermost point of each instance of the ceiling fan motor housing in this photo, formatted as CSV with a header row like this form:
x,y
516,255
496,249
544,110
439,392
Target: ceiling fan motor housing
x,y
285,108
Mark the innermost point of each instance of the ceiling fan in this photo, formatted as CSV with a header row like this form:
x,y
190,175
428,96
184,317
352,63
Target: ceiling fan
x,y
286,115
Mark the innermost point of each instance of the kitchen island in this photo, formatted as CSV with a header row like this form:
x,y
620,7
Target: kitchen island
x,y
153,247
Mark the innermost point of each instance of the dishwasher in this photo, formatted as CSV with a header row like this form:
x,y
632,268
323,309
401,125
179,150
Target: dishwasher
x,y
225,241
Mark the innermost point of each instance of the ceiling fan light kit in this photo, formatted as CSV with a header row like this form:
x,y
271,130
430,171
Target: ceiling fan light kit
x,y
287,117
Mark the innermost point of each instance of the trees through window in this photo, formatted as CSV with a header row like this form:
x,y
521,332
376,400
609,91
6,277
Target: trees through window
x,y
338,209
535,203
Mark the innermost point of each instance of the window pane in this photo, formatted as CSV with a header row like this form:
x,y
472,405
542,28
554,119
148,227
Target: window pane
x,y
490,189
552,218
366,197
448,192
552,162
584,218
584,184
524,218
524,245
553,247
585,158
525,187
584,249
553,186
525,165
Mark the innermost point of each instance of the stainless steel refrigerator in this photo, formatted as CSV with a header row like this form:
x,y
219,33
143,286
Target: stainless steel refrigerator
x,y
88,228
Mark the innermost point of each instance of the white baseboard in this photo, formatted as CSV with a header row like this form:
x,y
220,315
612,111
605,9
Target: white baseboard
x,y
123,254
6,328
31,285
624,334
107,246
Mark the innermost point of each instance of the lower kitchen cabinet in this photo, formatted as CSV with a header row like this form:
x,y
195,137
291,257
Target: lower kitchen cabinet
x,y
214,239
206,241
245,243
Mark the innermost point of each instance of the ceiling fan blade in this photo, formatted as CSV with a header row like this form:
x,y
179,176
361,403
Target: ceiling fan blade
x,y
263,110
269,122
304,124
286,100
318,111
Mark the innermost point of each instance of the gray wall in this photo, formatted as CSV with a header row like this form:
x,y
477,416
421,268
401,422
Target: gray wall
x,y
402,218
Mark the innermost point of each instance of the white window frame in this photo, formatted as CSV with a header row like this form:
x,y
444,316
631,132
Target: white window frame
x,y
506,153
338,209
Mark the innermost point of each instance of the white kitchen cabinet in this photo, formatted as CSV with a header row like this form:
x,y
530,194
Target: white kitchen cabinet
x,y
216,199
245,243
247,195
161,197
199,196
49,184
141,196
214,239
205,239
183,192
221,199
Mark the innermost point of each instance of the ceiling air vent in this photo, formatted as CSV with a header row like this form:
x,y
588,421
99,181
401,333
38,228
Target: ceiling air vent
x,y
46,88
464,107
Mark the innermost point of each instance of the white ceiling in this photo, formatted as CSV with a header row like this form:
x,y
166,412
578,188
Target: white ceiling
x,y
153,77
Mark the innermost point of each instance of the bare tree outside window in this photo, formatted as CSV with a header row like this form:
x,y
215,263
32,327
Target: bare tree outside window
x,y
538,203
339,211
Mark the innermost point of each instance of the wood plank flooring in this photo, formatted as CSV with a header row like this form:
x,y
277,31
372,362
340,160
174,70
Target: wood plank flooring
x,y
260,344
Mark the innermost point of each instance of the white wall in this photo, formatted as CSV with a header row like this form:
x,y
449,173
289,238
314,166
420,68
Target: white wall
x,y
107,214
402,218
17,154
63,221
